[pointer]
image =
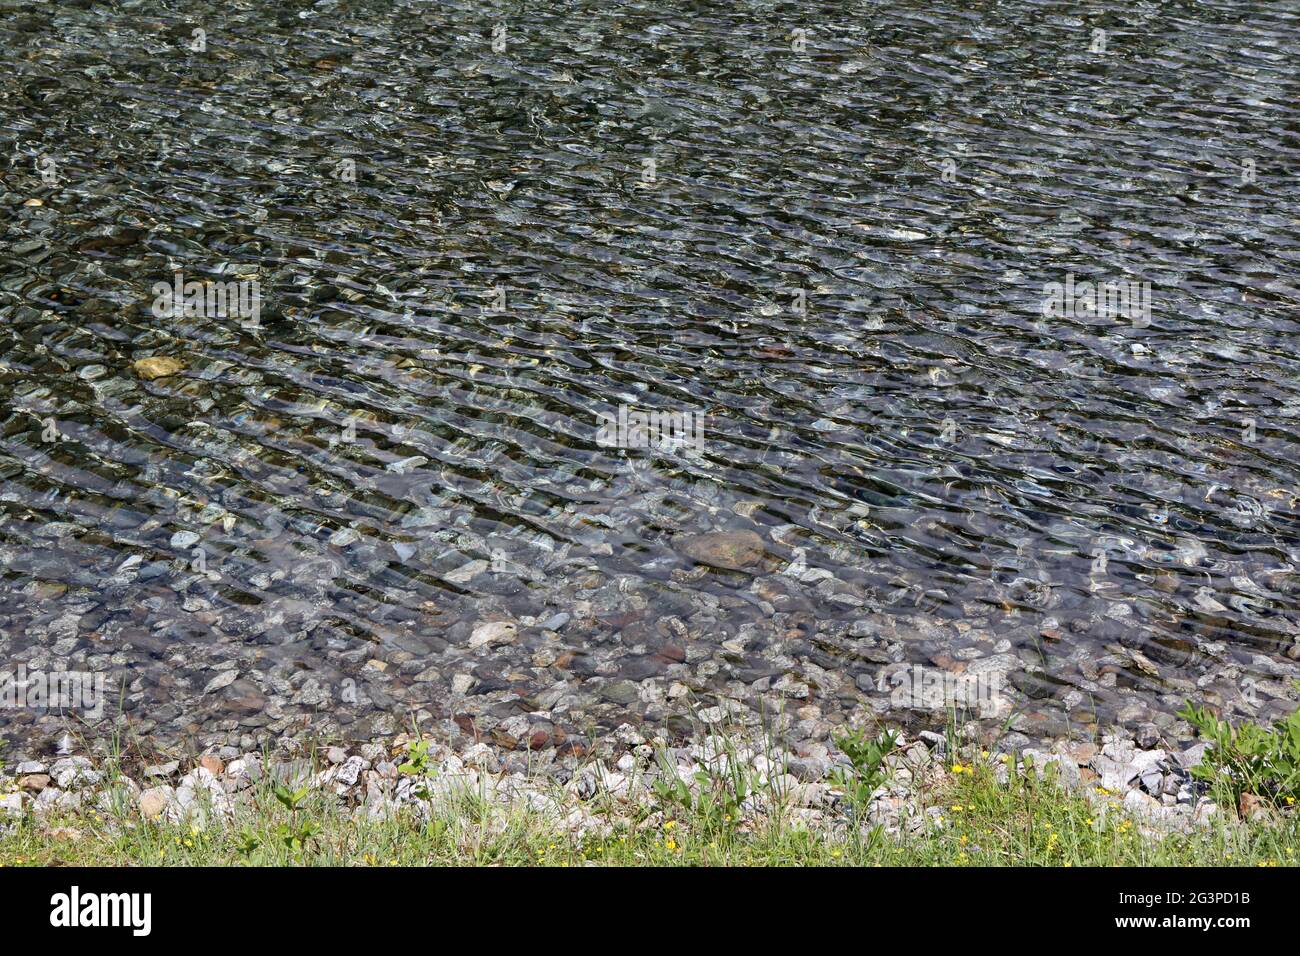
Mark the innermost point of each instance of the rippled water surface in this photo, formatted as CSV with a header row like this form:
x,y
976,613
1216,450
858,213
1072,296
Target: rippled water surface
x,y
833,245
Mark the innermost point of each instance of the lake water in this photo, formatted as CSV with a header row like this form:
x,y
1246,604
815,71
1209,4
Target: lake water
x,y
839,254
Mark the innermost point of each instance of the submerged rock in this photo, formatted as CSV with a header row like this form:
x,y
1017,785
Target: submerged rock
x,y
159,366
493,632
730,550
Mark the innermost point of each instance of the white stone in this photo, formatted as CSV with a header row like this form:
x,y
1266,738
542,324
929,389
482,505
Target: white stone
x,y
493,632
224,679
183,539
466,572
11,804
461,683
350,771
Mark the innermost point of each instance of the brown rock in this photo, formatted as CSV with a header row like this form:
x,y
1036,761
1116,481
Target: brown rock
x,y
212,764
1080,752
159,366
1254,807
673,652
466,723
731,550
35,782
242,698
504,740
948,662
572,748
154,801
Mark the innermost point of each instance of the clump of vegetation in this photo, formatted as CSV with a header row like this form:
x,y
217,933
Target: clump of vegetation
x,y
867,755
718,799
1248,759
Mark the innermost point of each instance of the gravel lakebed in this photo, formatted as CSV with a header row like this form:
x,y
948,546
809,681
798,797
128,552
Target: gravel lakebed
x,y
553,708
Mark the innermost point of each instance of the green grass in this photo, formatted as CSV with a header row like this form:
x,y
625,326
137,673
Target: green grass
x,y
1024,821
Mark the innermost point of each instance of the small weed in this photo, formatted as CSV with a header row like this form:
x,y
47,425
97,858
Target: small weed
x,y
418,765
417,759
247,843
298,832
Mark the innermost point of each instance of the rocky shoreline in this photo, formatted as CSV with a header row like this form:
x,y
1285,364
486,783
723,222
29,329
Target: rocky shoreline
x,y
1151,785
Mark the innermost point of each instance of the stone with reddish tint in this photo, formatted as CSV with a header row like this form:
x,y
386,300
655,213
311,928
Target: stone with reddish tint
x,y
572,748
1254,807
466,723
212,764
504,740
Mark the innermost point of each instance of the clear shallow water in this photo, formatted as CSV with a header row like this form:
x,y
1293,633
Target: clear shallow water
x,y
932,465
